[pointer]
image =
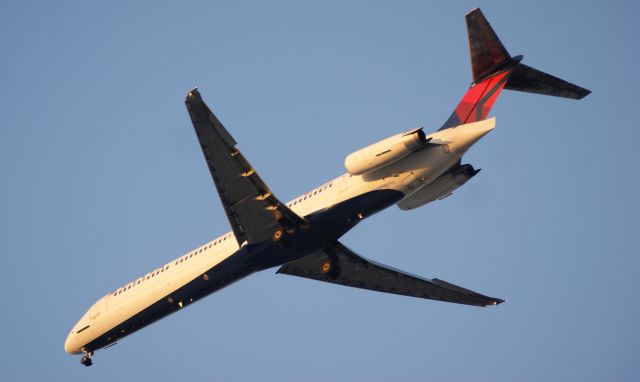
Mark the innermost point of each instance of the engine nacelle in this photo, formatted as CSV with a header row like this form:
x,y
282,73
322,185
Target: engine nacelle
x,y
385,152
440,188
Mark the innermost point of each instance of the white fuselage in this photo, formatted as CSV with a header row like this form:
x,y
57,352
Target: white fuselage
x,y
406,175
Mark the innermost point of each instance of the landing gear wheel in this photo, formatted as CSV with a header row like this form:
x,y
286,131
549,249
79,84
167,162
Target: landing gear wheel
x,y
277,236
86,360
326,267
335,272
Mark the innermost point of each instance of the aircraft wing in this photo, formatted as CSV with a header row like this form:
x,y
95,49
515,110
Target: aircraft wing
x,y
255,214
339,265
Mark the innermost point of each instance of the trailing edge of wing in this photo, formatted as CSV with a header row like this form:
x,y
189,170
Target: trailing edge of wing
x,y
254,212
339,265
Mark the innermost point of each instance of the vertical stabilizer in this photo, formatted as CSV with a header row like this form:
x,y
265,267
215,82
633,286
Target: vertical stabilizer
x,y
485,49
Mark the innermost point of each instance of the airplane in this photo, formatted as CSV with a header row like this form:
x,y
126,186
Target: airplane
x,y
409,169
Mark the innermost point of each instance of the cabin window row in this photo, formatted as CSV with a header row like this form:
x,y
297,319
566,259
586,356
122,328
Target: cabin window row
x,y
140,280
198,251
310,194
153,274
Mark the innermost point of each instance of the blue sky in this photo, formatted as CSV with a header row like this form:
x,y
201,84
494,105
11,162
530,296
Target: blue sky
x,y
103,180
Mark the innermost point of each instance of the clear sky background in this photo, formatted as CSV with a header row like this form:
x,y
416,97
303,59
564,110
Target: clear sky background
x,y
102,180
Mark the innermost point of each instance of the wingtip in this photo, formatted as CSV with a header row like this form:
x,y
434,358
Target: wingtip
x,y
498,301
584,93
493,302
193,94
473,12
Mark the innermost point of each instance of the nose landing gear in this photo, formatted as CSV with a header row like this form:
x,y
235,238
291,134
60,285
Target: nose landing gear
x,y
86,359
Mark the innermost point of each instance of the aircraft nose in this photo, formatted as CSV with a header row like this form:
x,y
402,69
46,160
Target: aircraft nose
x,y
71,345
471,133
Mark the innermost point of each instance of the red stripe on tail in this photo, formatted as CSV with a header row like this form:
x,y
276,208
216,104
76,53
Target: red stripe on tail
x,y
478,100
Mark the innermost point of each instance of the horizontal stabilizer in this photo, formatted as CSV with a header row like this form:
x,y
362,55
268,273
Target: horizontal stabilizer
x,y
527,79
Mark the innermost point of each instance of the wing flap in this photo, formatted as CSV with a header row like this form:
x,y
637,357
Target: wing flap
x,y
339,265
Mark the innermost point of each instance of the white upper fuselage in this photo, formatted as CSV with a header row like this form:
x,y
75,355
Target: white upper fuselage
x,y
406,175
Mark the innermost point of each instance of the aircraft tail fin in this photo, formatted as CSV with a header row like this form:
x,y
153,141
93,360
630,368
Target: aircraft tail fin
x,y
486,51
493,69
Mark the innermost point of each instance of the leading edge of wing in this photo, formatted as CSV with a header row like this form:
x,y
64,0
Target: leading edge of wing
x,y
254,212
339,265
